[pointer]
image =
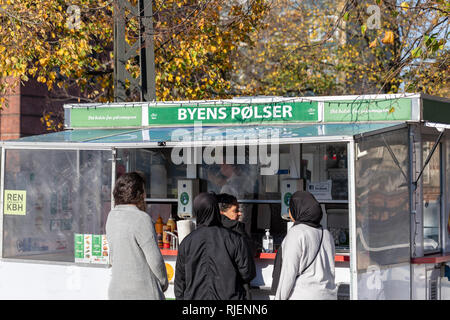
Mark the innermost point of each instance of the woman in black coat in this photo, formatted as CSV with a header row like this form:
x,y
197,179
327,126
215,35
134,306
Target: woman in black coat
x,y
213,263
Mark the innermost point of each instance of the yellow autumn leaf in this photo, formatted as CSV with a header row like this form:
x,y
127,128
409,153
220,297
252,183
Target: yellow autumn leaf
x,y
373,43
388,37
404,5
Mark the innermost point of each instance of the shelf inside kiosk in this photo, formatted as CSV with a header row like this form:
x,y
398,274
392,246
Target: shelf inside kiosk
x,y
321,169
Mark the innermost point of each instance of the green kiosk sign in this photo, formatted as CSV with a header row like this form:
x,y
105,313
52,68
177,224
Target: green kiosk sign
x,y
367,110
106,117
234,114
188,114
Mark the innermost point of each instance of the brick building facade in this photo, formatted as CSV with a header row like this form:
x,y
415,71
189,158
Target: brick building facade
x,y
27,104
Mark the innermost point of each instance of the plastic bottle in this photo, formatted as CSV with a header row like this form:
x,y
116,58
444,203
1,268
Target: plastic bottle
x,y
159,231
267,242
166,237
171,223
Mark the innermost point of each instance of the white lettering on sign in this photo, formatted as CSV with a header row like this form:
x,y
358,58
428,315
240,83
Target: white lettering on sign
x,y
182,114
201,113
257,115
267,112
287,111
247,112
111,118
276,111
211,113
223,114
191,113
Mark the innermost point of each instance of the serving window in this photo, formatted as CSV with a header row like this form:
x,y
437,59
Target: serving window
x,y
51,195
255,175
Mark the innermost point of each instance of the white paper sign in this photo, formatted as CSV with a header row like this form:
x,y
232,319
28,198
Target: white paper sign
x,y
320,190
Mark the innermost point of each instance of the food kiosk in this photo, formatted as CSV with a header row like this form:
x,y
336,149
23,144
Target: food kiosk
x,y
378,165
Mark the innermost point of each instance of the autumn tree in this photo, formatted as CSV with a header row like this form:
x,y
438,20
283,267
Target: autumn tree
x,y
59,45
196,43
209,49
70,48
348,47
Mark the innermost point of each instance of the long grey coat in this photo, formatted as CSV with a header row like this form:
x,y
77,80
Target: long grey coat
x,y
138,269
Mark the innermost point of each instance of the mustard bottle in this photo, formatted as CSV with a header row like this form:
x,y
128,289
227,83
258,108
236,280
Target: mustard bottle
x,y
159,231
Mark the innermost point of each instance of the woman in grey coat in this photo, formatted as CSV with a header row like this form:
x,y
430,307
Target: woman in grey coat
x,y
138,268
306,255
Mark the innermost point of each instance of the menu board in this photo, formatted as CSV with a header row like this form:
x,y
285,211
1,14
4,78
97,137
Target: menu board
x,y
100,249
91,248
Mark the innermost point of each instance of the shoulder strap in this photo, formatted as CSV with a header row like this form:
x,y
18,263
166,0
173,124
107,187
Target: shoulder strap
x,y
318,250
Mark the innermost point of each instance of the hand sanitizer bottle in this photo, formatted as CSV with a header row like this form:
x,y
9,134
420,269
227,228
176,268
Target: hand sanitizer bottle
x,y
267,242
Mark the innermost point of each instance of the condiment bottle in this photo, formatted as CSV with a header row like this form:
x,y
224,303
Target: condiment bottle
x,y
166,237
171,223
267,242
159,231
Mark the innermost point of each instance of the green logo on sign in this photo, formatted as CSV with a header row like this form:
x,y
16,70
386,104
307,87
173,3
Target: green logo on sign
x,y
287,198
184,198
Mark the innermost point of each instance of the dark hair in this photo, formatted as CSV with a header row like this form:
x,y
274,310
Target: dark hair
x,y
129,189
226,201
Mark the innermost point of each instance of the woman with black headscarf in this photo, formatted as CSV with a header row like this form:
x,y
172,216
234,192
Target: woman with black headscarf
x,y
213,263
304,266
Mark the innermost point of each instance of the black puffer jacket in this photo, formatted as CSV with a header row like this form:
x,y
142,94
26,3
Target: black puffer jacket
x,y
213,263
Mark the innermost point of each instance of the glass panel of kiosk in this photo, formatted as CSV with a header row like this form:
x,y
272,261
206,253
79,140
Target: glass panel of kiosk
x,y
50,196
431,182
383,216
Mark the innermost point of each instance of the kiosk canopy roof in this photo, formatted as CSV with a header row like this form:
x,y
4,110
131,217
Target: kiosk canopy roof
x,y
112,137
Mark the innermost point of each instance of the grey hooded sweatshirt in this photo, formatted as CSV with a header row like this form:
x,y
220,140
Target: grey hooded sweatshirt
x,y
303,274
317,282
